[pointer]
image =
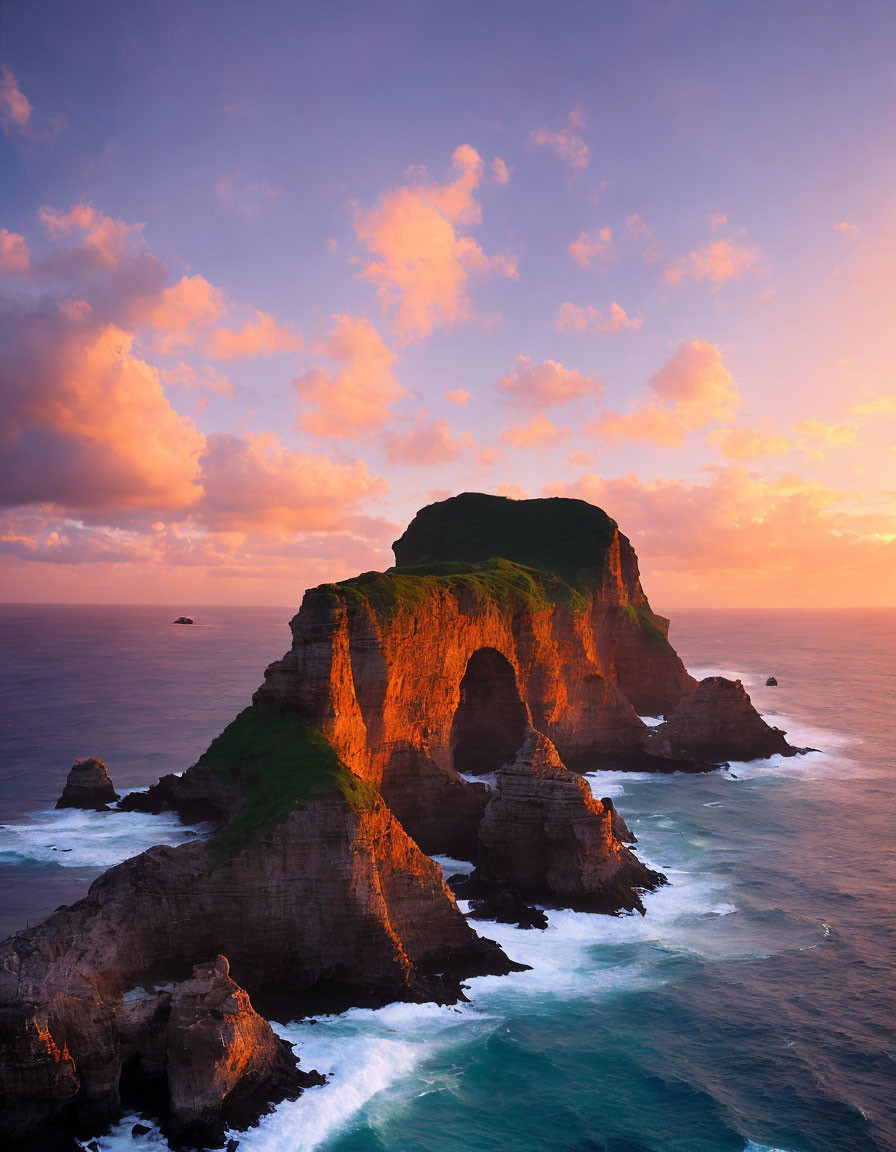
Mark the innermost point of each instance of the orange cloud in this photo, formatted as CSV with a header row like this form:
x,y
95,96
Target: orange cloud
x,y
420,260
512,492
14,255
845,226
693,388
458,396
264,337
538,433
567,143
430,443
15,108
181,308
572,318
643,236
748,443
592,246
738,539
356,399
718,261
545,384
879,406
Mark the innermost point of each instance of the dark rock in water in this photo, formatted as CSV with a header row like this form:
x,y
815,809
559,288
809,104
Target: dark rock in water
x,y
620,828
507,907
183,620
88,786
718,722
140,1130
771,682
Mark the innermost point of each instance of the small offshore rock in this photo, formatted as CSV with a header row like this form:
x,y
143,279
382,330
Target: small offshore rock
x,y
508,907
88,786
771,682
140,1130
184,620
620,828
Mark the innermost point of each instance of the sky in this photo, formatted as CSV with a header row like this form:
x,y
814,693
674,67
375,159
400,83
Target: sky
x,y
273,276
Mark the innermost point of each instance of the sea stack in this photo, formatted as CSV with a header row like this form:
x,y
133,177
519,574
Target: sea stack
x,y
88,786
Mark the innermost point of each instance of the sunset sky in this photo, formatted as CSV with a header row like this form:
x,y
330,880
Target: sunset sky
x,y
275,275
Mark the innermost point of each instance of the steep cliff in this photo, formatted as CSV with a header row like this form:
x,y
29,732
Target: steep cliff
x,y
313,891
500,615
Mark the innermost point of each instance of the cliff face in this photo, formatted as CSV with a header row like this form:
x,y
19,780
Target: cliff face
x,y
329,900
439,665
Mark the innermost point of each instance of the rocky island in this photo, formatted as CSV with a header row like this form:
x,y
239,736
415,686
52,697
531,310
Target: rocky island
x,y
448,705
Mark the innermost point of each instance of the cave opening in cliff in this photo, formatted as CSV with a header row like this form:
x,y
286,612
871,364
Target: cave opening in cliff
x,y
490,722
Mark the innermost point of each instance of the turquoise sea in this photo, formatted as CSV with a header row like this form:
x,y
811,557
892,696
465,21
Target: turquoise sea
x,y
752,1008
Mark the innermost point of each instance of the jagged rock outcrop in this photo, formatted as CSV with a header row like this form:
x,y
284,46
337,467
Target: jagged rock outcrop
x,y
546,837
88,786
500,614
718,722
620,828
224,1065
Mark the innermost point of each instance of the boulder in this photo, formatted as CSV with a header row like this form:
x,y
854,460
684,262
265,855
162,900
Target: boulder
x,y
184,620
771,682
88,786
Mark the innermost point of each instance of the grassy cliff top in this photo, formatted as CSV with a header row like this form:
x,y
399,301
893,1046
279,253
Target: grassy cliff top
x,y
568,538
496,581
280,763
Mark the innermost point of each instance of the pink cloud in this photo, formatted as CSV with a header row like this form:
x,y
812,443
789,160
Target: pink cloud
x,y
692,389
15,108
538,433
263,337
718,261
14,255
87,425
182,308
429,443
572,318
592,246
500,171
567,143
206,378
105,240
642,235
512,492
257,484
847,228
748,443
420,259
541,385
356,399
459,396
246,196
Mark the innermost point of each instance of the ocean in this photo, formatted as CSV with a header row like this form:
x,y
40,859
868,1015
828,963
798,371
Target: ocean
x,y
752,1008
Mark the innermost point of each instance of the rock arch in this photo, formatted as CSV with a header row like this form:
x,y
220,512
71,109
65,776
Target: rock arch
x,y
491,720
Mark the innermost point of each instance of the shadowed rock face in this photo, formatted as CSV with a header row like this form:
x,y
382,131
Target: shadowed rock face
x,y
718,722
88,786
